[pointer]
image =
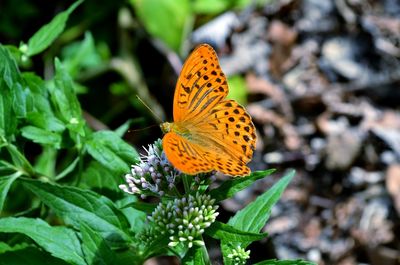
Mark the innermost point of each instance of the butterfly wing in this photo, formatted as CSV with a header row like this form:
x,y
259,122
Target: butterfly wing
x,y
229,127
194,158
200,86
218,134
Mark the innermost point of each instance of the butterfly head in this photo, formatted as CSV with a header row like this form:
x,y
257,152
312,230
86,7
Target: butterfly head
x,y
166,127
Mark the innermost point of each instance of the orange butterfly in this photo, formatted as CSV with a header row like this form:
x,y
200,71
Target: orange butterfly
x,y
209,132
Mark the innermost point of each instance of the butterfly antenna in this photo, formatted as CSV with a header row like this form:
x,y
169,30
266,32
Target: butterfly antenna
x,y
141,129
154,114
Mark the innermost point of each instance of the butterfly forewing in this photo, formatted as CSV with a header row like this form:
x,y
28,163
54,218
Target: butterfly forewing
x,y
200,86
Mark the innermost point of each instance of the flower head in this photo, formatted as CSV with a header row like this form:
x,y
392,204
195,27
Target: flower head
x,y
155,175
185,219
152,175
239,255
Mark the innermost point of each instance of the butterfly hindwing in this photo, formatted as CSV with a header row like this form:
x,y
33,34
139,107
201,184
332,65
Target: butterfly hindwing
x,y
229,126
184,155
192,158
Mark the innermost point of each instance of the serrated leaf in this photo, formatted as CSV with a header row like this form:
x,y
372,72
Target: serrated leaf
x,y
9,71
5,184
96,249
40,136
285,262
112,152
8,122
228,233
29,255
76,205
49,32
254,216
64,98
61,242
20,98
9,77
5,247
232,186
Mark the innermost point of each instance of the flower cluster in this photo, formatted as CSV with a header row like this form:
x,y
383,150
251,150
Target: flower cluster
x,y
185,219
153,175
239,255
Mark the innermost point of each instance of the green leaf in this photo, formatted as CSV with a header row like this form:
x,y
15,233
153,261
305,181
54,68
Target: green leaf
x,y
254,216
82,54
49,32
9,71
228,233
19,160
196,256
112,152
123,128
40,93
61,242
5,247
211,7
232,186
285,262
146,207
237,89
41,136
5,184
45,121
98,177
45,163
8,124
65,100
172,18
9,77
137,218
77,205
20,97
31,256
96,249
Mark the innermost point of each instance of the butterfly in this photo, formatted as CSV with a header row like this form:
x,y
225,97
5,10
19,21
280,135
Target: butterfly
x,y
209,132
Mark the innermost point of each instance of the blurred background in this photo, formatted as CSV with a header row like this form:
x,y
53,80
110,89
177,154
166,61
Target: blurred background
x,y
321,79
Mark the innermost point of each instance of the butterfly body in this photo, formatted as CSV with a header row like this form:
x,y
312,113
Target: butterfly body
x,y
208,132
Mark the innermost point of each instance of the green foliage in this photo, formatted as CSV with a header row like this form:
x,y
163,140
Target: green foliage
x,y
175,18
45,36
172,18
61,242
253,217
237,89
60,201
232,186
